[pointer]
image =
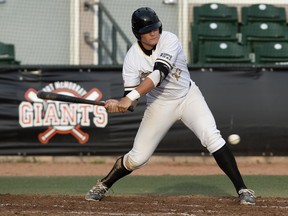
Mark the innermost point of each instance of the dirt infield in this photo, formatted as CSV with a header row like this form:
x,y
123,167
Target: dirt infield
x,y
137,205
61,205
205,166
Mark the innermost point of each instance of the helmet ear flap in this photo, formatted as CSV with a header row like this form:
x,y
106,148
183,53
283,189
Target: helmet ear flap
x,y
137,35
160,29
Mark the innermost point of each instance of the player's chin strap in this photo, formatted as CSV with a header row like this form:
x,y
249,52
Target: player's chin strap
x,y
118,171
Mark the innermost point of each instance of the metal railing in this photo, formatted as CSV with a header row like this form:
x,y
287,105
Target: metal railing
x,y
104,50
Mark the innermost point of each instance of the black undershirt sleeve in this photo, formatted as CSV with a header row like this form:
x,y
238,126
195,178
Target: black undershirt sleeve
x,y
164,70
125,93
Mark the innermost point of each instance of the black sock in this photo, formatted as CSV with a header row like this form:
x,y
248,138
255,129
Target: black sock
x,y
118,171
226,161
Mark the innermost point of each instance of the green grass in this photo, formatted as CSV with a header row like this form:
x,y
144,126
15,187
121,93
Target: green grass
x,y
215,185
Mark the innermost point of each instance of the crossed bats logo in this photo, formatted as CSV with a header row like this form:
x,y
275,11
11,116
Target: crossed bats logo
x,y
74,129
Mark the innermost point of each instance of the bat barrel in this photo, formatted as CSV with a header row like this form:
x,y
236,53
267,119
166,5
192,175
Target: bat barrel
x,y
59,97
51,96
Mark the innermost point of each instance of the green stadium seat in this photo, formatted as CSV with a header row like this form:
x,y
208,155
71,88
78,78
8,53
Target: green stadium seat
x,y
224,52
212,31
263,13
272,53
263,32
215,12
7,54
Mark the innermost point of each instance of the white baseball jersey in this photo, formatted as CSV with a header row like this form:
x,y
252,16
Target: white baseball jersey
x,y
138,65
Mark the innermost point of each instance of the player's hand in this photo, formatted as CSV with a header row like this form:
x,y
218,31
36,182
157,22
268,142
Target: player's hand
x,y
111,105
124,104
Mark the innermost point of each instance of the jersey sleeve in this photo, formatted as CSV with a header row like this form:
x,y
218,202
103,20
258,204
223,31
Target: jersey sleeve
x,y
130,74
168,50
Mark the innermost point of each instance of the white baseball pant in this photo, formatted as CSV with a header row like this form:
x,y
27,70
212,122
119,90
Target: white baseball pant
x,y
160,115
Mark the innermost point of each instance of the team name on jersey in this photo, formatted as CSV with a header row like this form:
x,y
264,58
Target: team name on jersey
x,y
166,56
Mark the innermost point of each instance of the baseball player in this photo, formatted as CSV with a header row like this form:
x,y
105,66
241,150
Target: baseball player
x,y
156,66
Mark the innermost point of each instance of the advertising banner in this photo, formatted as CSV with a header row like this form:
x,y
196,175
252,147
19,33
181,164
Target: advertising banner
x,y
251,105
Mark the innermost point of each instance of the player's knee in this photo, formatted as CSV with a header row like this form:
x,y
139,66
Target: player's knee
x,y
131,164
213,141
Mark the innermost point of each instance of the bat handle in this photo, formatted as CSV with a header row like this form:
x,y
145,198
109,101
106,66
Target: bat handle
x,y
131,109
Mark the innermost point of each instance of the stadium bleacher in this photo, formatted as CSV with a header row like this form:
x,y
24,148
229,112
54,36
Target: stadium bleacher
x,y
261,25
215,12
263,13
224,52
272,52
7,54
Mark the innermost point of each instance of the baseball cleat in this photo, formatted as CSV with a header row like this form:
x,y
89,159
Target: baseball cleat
x,y
97,192
247,197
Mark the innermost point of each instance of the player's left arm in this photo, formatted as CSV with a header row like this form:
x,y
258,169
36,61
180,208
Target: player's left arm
x,y
168,52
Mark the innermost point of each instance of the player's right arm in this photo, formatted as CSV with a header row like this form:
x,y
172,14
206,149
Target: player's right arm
x,y
132,86
131,98
168,51
131,80
132,94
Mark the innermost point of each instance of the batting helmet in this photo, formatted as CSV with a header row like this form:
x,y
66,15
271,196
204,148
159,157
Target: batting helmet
x,y
145,20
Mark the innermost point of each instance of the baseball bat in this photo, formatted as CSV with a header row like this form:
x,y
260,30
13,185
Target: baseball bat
x,y
70,99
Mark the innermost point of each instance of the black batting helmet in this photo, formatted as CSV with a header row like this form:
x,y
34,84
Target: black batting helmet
x,y
145,20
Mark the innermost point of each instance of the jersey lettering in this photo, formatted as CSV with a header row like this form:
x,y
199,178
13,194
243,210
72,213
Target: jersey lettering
x,y
166,56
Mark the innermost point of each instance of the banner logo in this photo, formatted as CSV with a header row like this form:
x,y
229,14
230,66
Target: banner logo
x,y
62,117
